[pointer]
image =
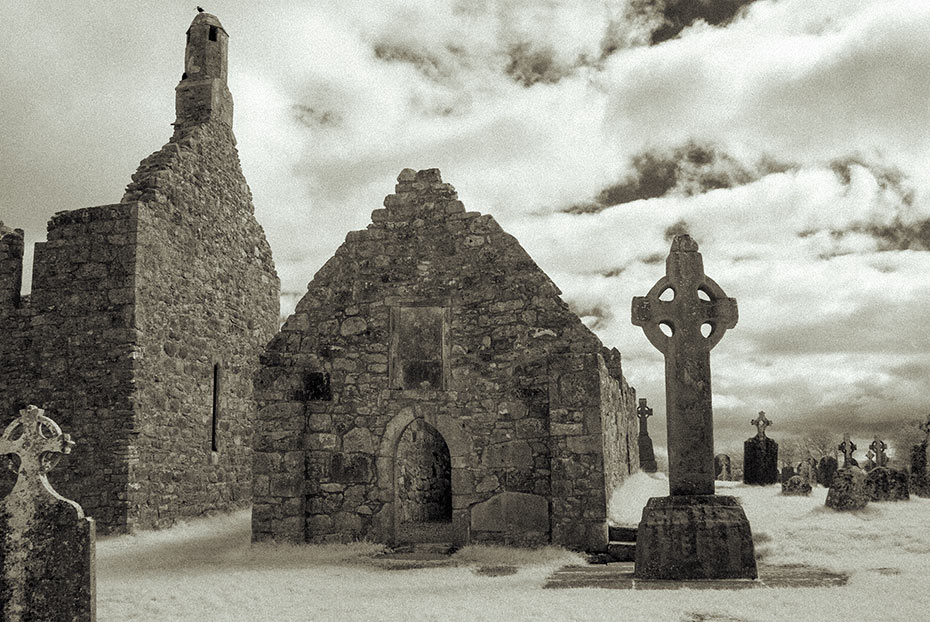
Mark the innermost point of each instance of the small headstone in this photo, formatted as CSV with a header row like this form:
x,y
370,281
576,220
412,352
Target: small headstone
x,y
647,457
47,548
847,447
787,472
692,533
723,467
826,469
795,487
848,491
807,471
760,455
919,483
884,484
870,457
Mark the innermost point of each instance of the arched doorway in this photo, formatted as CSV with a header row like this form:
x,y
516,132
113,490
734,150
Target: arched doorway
x,y
422,485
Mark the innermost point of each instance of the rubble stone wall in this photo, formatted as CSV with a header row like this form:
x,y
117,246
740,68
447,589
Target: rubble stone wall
x,y
506,373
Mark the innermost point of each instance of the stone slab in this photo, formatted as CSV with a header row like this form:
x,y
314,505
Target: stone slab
x,y
620,576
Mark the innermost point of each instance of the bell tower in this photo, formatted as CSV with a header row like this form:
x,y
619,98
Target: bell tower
x,y
202,94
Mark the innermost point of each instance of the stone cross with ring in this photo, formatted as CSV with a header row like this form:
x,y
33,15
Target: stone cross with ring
x,y
696,302
761,422
643,412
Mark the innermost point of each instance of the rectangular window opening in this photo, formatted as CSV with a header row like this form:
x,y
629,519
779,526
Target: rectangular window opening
x,y
217,377
212,33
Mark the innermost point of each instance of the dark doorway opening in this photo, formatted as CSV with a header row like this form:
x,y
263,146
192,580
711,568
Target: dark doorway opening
x,y
423,484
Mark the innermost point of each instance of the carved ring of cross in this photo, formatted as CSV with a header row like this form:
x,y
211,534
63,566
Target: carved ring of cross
x,y
36,440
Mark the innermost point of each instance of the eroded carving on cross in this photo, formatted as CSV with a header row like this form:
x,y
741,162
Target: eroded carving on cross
x,y
37,441
696,301
847,447
643,412
878,447
761,422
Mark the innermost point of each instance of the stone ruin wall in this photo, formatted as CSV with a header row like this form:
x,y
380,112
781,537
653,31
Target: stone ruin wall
x,y
132,305
71,350
207,303
519,400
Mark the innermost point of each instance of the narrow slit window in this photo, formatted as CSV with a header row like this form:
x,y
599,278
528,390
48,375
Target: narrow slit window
x,y
212,33
217,378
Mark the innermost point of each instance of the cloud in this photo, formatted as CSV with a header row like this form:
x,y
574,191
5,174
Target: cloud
x,y
670,17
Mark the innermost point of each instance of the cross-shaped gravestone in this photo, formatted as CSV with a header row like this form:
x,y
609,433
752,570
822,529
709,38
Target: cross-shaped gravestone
x,y
643,412
847,447
761,423
46,543
696,302
38,443
878,446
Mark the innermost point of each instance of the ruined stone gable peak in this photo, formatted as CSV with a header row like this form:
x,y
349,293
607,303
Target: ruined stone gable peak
x,y
419,194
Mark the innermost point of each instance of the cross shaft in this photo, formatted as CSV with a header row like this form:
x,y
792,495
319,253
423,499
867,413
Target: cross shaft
x,y
696,301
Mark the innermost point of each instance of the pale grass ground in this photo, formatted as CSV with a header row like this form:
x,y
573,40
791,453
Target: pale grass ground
x,y
206,570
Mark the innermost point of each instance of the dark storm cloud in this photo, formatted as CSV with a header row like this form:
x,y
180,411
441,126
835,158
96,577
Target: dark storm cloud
x,y
686,171
529,65
673,16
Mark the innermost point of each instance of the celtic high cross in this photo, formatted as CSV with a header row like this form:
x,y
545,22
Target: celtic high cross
x,y
643,412
696,301
879,446
761,422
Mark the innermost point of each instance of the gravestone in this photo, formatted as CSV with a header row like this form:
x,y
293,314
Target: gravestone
x,y
826,469
787,472
848,491
691,534
847,447
871,464
807,470
878,448
919,482
47,548
760,455
884,484
647,457
723,468
795,486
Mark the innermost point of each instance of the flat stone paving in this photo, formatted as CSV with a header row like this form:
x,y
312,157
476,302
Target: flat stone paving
x,y
619,576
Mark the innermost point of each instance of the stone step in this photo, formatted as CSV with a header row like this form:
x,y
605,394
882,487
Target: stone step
x,y
420,550
622,551
434,531
621,534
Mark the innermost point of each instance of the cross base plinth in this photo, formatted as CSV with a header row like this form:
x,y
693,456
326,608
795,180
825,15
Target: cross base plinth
x,y
694,537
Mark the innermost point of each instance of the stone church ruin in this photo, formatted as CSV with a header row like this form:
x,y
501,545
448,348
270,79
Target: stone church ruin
x,y
143,328
433,386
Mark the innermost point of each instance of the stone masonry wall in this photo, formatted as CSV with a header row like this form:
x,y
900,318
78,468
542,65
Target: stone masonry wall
x,y
76,354
207,303
505,372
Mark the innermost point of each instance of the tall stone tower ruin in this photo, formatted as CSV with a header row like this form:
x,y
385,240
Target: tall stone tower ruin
x,y
142,332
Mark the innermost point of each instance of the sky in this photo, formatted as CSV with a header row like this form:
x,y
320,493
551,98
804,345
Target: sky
x,y
786,136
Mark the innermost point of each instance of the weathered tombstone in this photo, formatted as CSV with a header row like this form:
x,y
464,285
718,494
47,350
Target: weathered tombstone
x,y
884,484
787,472
795,486
47,549
691,534
723,468
919,482
760,455
847,447
871,464
848,491
807,471
647,457
826,469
